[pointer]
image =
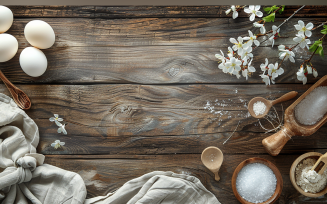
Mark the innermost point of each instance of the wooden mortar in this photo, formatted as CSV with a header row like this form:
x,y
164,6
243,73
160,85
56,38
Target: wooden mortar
x,y
275,143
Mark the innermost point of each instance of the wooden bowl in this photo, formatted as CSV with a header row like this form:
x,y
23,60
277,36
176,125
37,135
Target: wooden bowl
x,y
279,186
313,155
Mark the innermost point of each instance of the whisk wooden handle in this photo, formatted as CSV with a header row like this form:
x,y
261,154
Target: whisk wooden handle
x,y
275,143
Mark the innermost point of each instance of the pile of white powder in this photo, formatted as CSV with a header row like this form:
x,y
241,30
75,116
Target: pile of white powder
x,y
313,107
309,181
256,183
259,108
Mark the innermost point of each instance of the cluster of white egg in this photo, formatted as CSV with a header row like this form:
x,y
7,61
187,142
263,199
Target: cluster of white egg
x,y
38,33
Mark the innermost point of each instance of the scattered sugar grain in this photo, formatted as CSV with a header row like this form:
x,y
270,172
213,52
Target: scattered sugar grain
x,y
256,183
259,108
313,107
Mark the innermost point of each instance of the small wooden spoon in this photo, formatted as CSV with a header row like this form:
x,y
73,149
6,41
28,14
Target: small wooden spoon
x,y
269,103
212,158
321,165
18,95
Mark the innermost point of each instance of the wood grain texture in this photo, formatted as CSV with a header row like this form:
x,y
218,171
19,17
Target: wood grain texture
x,y
104,174
108,12
139,119
151,51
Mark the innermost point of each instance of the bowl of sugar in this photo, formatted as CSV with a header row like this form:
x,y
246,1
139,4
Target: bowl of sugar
x,y
257,180
310,185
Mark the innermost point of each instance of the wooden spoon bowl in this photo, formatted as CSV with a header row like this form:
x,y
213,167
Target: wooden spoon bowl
x,y
212,157
313,155
279,186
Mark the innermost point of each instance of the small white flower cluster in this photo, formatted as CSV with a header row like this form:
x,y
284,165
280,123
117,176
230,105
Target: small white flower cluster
x,y
303,72
252,9
304,32
57,144
240,61
57,120
273,71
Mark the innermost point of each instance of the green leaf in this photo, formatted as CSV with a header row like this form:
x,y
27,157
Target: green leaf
x,y
270,18
282,9
324,31
267,10
320,51
317,46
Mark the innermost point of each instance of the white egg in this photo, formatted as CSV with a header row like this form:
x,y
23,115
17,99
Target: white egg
x,y
8,47
39,34
33,61
6,19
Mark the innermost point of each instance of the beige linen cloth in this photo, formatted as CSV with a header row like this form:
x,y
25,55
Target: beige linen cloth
x,y
24,178
159,188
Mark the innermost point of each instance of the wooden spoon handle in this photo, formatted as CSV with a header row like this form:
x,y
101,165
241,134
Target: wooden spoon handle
x,y
285,97
275,143
217,177
6,81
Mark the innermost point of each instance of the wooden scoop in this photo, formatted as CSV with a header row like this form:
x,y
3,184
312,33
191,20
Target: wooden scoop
x,y
321,165
18,95
212,158
275,143
269,103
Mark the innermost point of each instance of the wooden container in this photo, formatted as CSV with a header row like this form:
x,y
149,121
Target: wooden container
x,y
275,143
279,186
313,155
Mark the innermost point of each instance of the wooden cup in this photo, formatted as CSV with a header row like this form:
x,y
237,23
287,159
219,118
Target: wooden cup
x,y
279,186
313,155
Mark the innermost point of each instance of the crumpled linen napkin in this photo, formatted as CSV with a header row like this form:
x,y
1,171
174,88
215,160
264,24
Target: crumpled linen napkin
x,y
24,178
159,187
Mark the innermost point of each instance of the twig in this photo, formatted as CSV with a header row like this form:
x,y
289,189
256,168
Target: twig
x,y
319,26
232,133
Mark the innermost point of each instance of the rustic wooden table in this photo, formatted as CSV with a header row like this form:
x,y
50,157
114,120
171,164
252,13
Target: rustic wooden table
x,y
133,83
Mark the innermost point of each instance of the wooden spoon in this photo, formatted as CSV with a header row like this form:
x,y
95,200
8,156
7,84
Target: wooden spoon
x,y
18,95
269,103
321,165
275,143
212,158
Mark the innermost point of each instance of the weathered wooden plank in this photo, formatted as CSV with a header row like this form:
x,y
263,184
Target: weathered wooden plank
x,y
213,11
138,119
106,174
151,51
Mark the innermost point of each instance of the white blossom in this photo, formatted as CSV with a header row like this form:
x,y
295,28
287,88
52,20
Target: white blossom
x,y
274,35
301,76
287,54
235,13
305,30
57,144
252,39
246,53
274,71
261,26
238,44
251,68
220,57
230,52
303,42
233,65
56,119
62,129
254,11
315,73
265,78
264,66
309,69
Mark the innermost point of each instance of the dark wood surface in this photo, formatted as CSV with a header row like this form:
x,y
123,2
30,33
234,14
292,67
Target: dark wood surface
x,y
133,84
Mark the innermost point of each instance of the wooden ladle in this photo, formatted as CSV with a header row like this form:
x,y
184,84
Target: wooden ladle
x,y
18,95
321,165
212,158
269,103
275,143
